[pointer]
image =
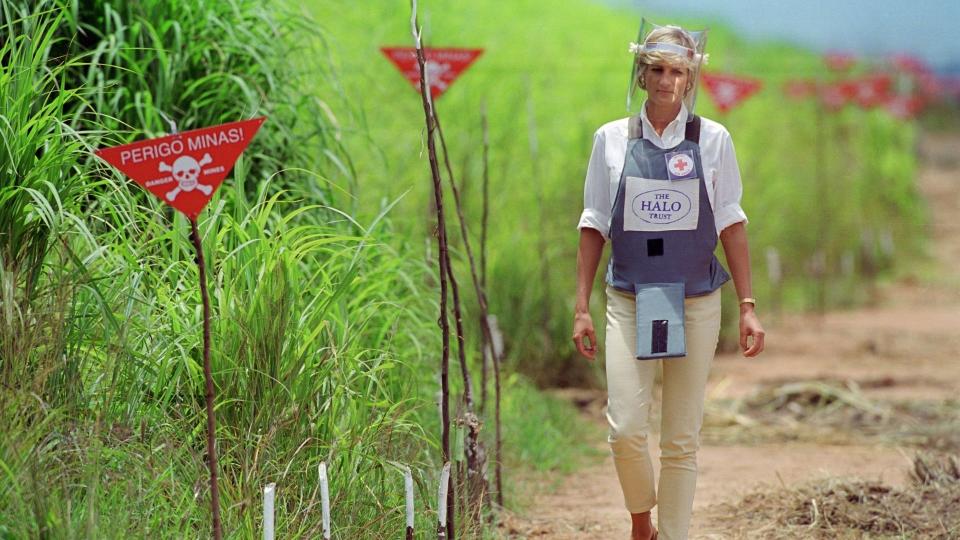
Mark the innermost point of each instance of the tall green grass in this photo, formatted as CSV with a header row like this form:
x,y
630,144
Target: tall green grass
x,y
324,335
39,160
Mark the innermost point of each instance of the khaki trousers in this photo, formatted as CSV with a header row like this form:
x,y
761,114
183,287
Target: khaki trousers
x,y
630,392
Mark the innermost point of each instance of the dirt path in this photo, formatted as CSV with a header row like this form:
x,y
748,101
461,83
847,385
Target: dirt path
x,y
904,348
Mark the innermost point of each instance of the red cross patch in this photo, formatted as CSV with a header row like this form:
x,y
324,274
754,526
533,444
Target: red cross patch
x,y
680,165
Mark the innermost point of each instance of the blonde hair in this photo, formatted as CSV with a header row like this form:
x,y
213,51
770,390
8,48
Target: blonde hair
x,y
670,45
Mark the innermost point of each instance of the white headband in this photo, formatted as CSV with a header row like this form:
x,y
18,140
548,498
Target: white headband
x,y
690,54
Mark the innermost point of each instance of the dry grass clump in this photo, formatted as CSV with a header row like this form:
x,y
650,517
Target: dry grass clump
x,y
831,412
844,508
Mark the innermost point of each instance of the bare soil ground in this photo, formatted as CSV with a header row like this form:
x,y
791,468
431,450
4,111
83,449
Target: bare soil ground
x,y
903,348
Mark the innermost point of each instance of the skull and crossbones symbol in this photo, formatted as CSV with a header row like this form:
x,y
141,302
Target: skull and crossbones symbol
x,y
186,171
435,70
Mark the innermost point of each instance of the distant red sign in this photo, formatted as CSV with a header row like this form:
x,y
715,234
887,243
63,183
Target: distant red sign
x,y
835,95
909,64
443,65
904,107
930,86
872,90
184,170
799,89
728,91
839,61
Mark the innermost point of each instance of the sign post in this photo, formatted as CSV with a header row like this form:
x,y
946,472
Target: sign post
x,y
184,170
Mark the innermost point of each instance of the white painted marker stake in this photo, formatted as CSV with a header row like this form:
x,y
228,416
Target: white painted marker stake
x,y
774,268
887,246
408,489
442,501
847,263
325,500
496,335
268,493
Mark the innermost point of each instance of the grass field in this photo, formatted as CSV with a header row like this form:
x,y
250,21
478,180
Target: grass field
x,y
325,346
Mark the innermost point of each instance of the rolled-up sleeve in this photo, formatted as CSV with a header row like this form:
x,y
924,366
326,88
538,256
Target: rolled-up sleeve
x,y
596,190
727,188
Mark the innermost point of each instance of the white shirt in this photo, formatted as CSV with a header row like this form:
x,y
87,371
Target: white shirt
x,y
610,148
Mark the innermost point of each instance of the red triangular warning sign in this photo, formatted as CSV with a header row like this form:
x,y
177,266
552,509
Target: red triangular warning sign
x,y
904,107
184,170
872,90
839,61
837,94
729,91
443,65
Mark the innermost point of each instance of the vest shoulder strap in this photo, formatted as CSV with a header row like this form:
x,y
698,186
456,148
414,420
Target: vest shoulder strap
x,y
635,127
693,130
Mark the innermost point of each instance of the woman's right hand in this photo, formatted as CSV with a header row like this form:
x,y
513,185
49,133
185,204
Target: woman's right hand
x,y
583,328
588,257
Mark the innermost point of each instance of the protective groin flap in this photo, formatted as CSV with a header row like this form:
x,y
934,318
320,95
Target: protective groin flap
x,y
660,332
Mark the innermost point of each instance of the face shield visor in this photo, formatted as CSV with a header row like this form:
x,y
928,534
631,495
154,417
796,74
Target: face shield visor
x,y
670,45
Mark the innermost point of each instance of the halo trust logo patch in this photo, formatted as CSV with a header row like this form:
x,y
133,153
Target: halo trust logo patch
x,y
662,206
680,165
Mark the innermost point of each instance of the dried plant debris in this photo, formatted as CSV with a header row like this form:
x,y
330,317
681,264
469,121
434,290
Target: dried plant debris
x,y
841,508
933,471
831,412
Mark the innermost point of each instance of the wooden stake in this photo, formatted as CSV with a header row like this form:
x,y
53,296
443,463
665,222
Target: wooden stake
x,y
473,448
443,258
483,249
208,375
481,300
820,171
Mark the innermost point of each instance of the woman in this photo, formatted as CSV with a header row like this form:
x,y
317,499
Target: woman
x,y
662,185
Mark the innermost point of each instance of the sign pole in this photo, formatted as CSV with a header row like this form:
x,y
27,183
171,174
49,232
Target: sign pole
x,y
184,170
208,376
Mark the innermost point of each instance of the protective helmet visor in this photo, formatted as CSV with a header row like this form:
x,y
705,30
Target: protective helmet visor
x,y
666,44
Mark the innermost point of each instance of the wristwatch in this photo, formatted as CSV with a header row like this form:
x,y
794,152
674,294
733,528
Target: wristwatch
x,y
748,301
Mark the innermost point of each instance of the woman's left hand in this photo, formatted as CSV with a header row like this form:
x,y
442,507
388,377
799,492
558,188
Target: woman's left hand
x,y
750,327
